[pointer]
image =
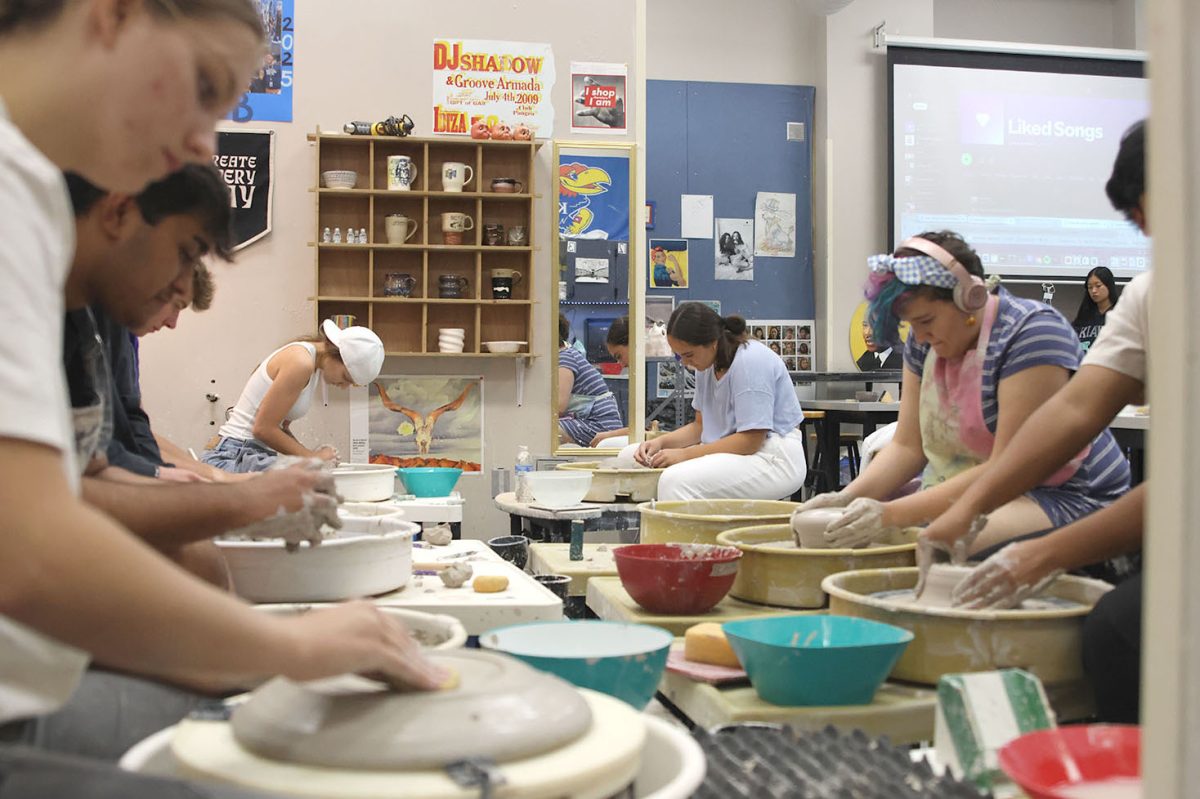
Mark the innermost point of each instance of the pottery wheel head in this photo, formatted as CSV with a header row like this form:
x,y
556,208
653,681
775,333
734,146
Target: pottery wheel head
x,y
501,710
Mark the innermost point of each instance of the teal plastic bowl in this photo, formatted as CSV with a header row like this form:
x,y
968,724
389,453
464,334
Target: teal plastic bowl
x,y
621,660
816,660
429,481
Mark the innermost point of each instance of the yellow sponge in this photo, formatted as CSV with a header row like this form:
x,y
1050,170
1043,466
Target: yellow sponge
x,y
706,643
489,583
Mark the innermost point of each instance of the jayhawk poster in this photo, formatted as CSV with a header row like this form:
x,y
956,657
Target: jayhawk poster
x,y
593,196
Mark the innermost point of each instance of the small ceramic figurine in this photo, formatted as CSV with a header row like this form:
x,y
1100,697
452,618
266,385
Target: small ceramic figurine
x,y
479,130
522,132
502,131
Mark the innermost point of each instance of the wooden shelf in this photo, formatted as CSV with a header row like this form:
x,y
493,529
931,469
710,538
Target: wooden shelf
x,y
351,278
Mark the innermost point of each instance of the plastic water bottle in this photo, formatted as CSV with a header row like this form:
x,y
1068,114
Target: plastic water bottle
x,y
523,467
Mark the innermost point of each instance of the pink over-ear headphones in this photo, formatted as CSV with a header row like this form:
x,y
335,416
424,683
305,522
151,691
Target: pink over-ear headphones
x,y
970,294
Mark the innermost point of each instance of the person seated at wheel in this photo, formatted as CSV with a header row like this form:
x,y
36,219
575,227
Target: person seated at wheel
x,y
586,408
745,442
977,364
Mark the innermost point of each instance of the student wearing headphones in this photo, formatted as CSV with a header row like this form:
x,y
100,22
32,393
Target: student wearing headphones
x,y
976,365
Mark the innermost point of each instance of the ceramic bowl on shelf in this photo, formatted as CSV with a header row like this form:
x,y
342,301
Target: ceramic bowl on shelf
x,y
504,346
339,178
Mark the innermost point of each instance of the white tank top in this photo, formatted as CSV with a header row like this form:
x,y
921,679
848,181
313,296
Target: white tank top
x,y
241,420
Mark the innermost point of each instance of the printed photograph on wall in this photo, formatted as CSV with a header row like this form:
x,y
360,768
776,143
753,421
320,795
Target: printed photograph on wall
x,y
668,263
268,98
598,98
872,351
790,339
667,377
426,421
591,270
734,249
775,225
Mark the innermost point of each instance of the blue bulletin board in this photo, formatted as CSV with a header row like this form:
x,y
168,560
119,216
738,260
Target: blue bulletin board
x,y
729,140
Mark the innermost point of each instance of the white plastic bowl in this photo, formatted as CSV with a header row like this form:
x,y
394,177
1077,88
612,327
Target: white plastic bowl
x,y
504,346
339,178
559,489
447,631
365,482
368,517
343,566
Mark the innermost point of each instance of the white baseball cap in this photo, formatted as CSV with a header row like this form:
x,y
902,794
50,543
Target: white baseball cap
x,y
360,348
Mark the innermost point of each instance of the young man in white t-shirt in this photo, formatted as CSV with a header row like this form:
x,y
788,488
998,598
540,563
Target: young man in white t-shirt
x,y
1113,375
71,581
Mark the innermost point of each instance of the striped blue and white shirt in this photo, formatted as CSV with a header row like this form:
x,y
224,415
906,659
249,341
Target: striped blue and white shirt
x,y
1028,333
588,381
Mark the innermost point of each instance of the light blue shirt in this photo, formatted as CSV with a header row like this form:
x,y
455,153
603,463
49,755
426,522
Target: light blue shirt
x,y
755,394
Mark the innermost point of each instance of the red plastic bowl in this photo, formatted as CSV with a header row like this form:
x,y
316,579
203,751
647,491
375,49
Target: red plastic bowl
x,y
1046,762
683,579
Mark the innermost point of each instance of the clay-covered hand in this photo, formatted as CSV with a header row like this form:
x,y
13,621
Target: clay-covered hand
x,y
357,637
599,438
292,503
328,453
956,549
830,499
665,458
646,451
1006,579
863,523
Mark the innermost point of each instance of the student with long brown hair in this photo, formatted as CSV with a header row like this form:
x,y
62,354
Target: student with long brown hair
x,y
745,442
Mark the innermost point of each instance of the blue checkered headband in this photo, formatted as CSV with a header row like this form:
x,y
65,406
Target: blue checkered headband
x,y
914,270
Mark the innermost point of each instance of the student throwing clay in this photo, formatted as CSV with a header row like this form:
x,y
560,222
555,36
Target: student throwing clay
x,y
586,408
976,365
745,442
617,344
281,390
1114,374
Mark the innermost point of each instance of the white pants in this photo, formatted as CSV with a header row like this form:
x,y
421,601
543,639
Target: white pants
x,y
776,471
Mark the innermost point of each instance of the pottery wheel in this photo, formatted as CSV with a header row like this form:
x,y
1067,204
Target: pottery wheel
x,y
502,710
603,762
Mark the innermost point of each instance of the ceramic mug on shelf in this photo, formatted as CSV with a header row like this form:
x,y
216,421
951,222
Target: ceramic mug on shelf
x,y
400,228
398,284
493,235
451,287
507,186
503,281
518,236
343,320
454,225
401,173
455,175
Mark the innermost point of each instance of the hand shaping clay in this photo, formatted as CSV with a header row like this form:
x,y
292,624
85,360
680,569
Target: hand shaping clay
x,y
439,535
808,526
490,583
456,574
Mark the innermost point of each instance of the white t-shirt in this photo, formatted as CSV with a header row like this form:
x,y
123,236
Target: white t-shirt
x,y
1124,342
37,229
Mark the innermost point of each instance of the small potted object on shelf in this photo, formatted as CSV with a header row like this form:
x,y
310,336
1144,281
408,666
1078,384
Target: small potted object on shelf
x,y
392,126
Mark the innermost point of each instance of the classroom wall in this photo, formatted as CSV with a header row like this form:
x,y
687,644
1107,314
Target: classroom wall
x,y
358,59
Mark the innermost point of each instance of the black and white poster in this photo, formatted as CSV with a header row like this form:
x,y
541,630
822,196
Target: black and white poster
x,y
246,161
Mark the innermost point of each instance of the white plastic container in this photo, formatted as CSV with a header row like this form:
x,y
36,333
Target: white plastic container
x,y
558,489
365,482
343,566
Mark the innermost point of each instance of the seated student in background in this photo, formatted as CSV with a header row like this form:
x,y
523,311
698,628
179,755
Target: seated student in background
x,y
194,198
1114,373
617,344
586,407
133,257
976,365
281,390
745,442
1099,297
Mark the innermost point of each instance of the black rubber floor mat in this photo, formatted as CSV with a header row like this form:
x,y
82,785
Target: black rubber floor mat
x,y
764,761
